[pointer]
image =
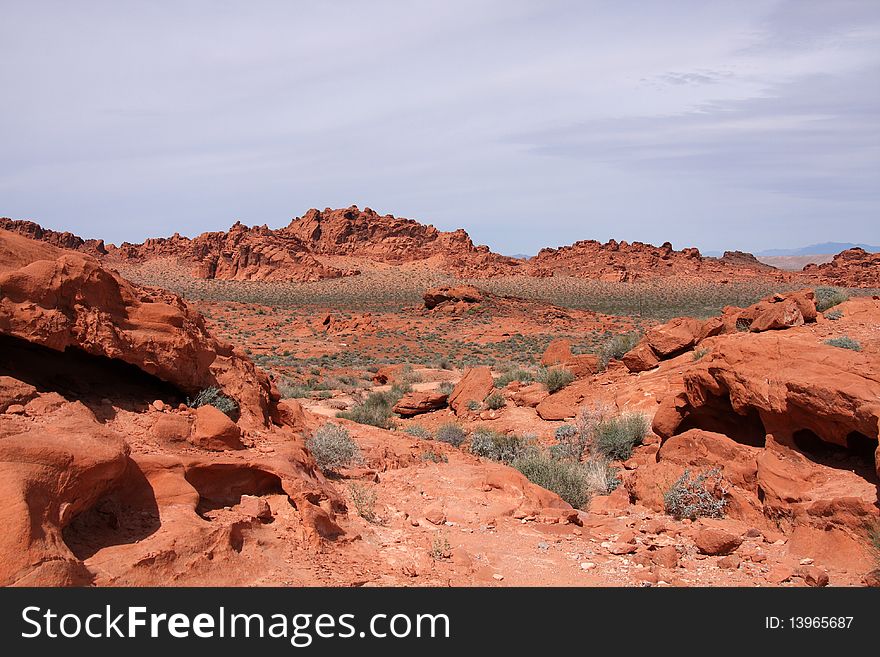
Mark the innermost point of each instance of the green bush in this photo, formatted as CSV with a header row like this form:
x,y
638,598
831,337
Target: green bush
x,y
699,496
450,433
617,346
828,297
418,431
375,410
434,456
333,448
616,437
446,388
495,401
834,315
523,376
498,446
570,443
874,541
844,342
556,378
699,353
213,397
565,478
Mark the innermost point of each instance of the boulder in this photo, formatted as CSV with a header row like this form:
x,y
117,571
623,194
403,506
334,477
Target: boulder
x,y
474,386
214,430
415,403
675,336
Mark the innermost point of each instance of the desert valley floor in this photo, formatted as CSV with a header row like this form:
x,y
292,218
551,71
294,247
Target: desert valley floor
x,y
357,401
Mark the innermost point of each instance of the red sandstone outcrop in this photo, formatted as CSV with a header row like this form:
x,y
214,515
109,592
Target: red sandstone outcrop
x,y
474,387
437,296
626,262
415,403
559,354
851,268
240,254
384,238
70,300
64,240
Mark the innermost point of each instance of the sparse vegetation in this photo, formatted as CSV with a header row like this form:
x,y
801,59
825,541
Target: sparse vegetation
x,y
567,479
699,352
375,410
498,446
418,431
213,397
602,478
616,437
473,405
556,378
364,499
434,456
495,401
833,315
440,548
450,433
874,541
617,346
446,388
828,297
570,443
521,375
700,496
844,342
333,448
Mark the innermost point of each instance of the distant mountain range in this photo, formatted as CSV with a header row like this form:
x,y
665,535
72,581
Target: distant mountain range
x,y
816,249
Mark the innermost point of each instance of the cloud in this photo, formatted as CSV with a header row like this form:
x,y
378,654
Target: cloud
x,y
592,120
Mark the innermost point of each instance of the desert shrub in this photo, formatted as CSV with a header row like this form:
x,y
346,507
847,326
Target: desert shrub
x,y
473,405
565,478
418,431
446,388
602,478
743,324
844,342
291,390
213,397
434,456
333,448
834,315
699,353
375,410
440,548
556,378
828,297
617,346
495,401
409,376
450,433
874,541
444,364
523,376
364,500
570,443
616,437
699,496
498,446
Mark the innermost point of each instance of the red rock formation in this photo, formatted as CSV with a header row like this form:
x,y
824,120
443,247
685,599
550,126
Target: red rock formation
x,y
64,240
559,353
625,262
241,254
474,387
437,296
385,238
415,403
72,301
850,268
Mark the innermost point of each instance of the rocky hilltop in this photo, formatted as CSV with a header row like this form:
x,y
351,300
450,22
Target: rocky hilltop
x,y
64,240
850,268
630,261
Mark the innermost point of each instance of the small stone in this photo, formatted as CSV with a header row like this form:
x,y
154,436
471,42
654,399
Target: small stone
x,y
498,576
807,562
587,565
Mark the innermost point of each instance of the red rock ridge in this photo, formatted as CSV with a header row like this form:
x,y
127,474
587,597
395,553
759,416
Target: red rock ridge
x,y
850,268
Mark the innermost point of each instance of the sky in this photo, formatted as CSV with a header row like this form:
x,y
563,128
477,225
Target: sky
x,y
745,124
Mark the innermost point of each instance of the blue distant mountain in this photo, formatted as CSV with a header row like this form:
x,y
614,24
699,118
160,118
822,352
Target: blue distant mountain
x,y
816,249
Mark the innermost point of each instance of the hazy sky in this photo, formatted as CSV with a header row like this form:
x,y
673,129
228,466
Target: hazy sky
x,y
741,124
